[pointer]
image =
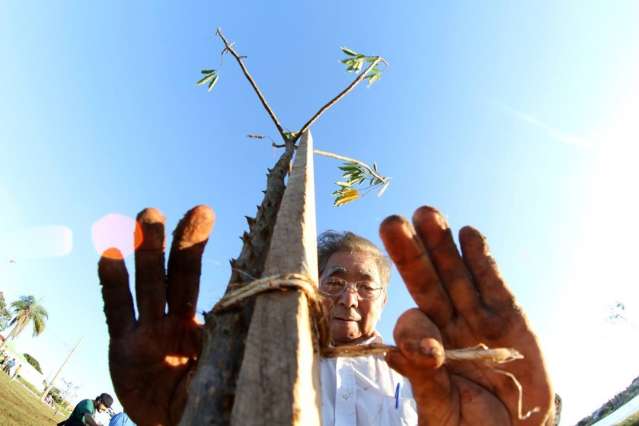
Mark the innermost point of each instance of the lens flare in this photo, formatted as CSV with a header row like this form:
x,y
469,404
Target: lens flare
x,y
37,242
116,236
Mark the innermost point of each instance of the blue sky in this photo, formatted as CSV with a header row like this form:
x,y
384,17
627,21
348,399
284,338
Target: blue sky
x,y
516,118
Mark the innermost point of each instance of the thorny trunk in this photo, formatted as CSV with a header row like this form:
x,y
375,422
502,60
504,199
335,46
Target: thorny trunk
x,y
212,390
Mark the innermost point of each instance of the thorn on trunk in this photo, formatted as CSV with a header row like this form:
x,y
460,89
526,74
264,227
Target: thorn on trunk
x,y
246,238
250,221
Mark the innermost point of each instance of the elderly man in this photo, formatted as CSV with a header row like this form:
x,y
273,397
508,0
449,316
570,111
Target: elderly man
x,y
362,390
461,301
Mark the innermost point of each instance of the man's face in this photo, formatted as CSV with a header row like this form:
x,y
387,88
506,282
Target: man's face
x,y
101,407
351,319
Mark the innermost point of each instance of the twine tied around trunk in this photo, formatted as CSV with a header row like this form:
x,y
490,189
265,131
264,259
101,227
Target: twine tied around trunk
x,y
322,343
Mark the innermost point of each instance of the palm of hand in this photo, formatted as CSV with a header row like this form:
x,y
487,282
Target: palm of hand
x,y
150,368
505,329
151,357
462,302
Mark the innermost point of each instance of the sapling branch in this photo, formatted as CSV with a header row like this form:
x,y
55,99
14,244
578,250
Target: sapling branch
x,y
228,47
355,172
368,168
339,96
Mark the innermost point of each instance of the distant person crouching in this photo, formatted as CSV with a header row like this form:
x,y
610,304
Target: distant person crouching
x,y
84,411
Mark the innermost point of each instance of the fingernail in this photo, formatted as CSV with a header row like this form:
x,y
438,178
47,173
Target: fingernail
x,y
150,215
433,349
195,226
149,230
432,215
430,350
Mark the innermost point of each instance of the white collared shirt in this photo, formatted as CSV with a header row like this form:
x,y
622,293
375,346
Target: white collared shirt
x,y
365,391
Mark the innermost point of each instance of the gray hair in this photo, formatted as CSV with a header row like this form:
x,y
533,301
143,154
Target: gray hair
x,y
331,242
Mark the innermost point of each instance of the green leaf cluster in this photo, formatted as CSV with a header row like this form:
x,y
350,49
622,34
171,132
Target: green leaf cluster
x,y
210,77
355,61
357,174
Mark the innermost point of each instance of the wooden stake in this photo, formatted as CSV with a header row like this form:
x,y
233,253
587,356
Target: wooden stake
x,y
279,379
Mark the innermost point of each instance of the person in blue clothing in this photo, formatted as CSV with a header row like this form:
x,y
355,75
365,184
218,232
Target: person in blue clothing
x,y
121,419
9,365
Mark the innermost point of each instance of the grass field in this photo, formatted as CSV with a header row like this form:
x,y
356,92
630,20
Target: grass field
x,y
631,421
19,407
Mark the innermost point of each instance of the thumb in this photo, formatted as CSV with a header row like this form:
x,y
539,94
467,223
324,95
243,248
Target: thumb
x,y
419,341
420,357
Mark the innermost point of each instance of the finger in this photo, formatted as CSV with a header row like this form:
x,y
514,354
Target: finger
x,y
437,237
118,303
419,339
150,276
185,260
416,269
420,357
492,287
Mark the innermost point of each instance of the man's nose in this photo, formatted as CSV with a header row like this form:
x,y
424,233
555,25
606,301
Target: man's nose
x,y
348,298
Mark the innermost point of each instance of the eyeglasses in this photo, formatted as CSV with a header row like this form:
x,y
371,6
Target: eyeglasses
x,y
334,287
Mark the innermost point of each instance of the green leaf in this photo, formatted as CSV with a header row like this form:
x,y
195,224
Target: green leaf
x,y
346,196
212,83
354,64
373,78
204,79
208,71
384,187
373,72
348,51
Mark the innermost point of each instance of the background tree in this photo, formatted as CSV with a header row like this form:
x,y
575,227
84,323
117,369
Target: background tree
x,y
56,395
5,314
25,310
34,362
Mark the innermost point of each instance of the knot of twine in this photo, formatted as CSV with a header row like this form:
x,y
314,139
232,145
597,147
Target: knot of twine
x,y
307,285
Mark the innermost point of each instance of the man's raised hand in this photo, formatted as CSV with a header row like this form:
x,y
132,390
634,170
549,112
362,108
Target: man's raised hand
x,y
463,301
152,357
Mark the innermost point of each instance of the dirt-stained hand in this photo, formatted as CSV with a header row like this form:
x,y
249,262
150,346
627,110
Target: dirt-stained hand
x,y
152,357
462,301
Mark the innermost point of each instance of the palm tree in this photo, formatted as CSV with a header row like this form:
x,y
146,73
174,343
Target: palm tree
x,y
26,309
